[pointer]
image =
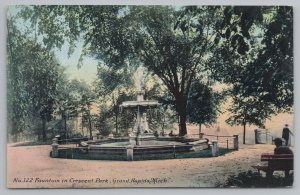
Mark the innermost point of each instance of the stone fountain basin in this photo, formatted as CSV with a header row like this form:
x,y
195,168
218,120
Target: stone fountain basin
x,y
118,148
148,146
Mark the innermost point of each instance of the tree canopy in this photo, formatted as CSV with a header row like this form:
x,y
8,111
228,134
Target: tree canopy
x,y
247,48
203,104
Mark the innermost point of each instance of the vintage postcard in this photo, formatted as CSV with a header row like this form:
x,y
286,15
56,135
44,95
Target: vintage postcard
x,y
132,96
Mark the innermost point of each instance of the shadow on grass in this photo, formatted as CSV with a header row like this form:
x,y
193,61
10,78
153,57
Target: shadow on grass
x,y
252,179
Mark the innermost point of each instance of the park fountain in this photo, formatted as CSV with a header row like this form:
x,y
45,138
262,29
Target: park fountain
x,y
140,143
141,128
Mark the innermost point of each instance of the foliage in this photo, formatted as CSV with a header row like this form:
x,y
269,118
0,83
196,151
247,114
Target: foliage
x,y
256,59
170,43
161,119
254,180
203,104
104,124
250,49
114,87
164,116
16,92
273,68
269,75
32,73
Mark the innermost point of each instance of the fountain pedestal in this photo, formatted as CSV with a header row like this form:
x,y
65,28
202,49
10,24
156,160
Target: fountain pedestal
x,y
140,106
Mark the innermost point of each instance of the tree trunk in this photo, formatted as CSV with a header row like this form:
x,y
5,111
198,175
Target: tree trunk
x,y
116,123
64,120
163,124
182,124
90,127
181,103
200,130
82,126
44,135
244,134
14,131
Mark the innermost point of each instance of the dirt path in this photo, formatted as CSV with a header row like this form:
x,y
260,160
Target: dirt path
x,y
31,167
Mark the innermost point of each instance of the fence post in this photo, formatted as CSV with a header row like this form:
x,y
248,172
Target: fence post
x,y
256,136
54,148
227,144
129,152
174,152
214,148
236,142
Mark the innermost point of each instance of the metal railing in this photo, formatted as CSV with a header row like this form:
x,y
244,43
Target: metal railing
x,y
263,137
225,141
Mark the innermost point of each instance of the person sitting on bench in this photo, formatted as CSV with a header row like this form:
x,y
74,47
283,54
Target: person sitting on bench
x,y
281,160
280,149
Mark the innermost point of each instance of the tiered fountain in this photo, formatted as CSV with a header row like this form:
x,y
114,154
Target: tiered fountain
x,y
141,128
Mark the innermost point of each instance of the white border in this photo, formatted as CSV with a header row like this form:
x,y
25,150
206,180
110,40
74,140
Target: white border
x,y
3,6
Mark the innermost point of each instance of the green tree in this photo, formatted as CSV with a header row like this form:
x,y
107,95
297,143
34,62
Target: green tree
x,y
75,99
66,102
164,116
256,59
203,105
248,111
113,92
83,99
268,74
16,92
32,73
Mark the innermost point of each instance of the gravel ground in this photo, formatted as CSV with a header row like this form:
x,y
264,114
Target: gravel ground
x,y
31,167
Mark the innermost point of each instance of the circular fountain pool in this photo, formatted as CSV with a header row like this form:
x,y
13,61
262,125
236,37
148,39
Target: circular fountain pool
x,y
123,149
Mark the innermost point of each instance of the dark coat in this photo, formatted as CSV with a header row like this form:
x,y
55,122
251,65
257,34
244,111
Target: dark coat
x,y
286,134
283,150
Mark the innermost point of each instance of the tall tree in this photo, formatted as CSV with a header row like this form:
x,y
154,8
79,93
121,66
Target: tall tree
x,y
113,92
203,105
32,73
247,111
16,92
264,36
255,57
85,101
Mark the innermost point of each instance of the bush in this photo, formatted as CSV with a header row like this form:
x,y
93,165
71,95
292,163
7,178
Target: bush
x,y
252,179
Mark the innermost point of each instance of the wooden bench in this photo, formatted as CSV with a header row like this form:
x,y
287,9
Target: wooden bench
x,y
276,162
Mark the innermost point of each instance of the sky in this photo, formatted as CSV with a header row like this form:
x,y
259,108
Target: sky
x,y
87,72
